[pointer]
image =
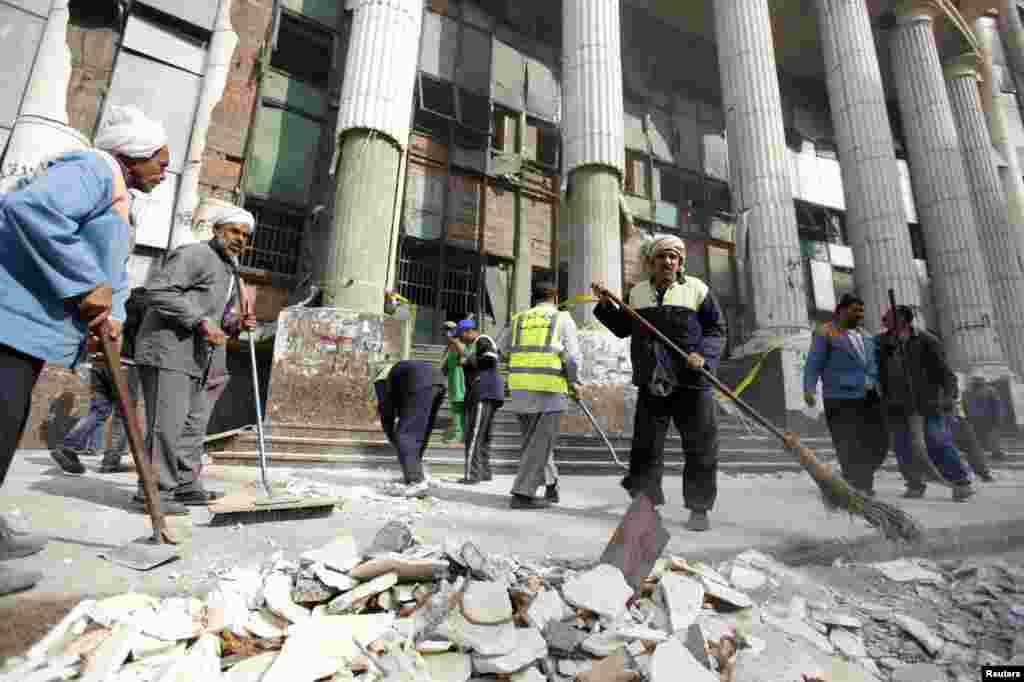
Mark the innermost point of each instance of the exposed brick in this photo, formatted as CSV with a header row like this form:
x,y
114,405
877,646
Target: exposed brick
x,y
220,172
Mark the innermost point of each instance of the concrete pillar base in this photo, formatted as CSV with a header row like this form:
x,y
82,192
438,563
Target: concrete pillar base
x,y
367,179
595,233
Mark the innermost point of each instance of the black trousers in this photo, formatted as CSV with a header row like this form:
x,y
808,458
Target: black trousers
x,y
987,430
479,420
966,441
693,412
860,436
18,376
415,424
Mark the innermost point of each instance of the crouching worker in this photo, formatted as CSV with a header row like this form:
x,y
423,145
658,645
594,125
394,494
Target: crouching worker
x,y
410,392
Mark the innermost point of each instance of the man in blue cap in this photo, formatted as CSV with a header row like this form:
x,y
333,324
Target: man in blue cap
x,y
485,392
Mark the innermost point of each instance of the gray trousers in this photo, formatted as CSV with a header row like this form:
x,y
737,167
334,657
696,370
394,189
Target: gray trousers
x,y
177,412
537,459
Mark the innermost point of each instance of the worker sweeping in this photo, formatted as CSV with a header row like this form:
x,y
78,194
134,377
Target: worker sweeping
x,y
485,393
410,392
685,310
544,356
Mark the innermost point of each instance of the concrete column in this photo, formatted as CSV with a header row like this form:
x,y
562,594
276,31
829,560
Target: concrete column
x,y
1004,268
1012,28
876,219
523,276
759,164
962,293
594,143
373,129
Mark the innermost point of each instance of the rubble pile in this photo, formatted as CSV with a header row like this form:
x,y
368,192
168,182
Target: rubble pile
x,y
401,611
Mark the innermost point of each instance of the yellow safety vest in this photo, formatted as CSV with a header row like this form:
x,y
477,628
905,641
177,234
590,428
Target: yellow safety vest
x,y
535,361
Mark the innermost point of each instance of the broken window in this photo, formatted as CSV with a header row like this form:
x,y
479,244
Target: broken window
x,y
303,51
198,14
508,75
474,69
437,97
146,34
92,14
284,155
506,126
327,12
438,46
637,172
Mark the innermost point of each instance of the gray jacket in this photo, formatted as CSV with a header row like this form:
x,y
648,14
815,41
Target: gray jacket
x,y
191,287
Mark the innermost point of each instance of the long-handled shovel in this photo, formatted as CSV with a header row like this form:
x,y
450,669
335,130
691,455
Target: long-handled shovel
x,y
837,493
144,553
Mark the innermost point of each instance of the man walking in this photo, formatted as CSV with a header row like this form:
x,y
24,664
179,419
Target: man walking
x,y
410,392
543,352
986,413
180,345
684,309
485,393
916,379
452,369
843,358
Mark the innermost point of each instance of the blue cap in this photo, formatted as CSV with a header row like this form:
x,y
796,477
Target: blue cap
x,y
466,325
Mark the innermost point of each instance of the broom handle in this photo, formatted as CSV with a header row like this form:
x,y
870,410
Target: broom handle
x,y
754,414
112,353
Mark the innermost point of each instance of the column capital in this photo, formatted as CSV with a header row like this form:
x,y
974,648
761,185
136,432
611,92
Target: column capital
x,y
913,11
967,65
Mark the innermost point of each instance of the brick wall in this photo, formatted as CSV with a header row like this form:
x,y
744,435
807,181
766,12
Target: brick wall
x,y
92,67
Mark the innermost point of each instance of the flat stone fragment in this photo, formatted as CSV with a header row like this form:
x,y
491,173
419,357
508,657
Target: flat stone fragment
x,y
602,590
340,555
319,648
545,607
347,600
640,632
563,638
266,625
277,590
955,633
112,610
406,569
335,579
920,672
672,662
529,647
529,675
848,644
111,655
487,640
88,642
905,571
251,669
744,578
451,667
572,668
683,598
921,632
201,662
311,591
145,646
486,603
696,643
433,646
798,628
395,537
603,644
726,594
837,618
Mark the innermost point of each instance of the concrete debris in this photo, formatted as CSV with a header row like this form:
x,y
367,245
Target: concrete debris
x,y
352,599
112,654
611,669
568,667
529,647
277,590
683,598
672,661
799,628
919,631
696,643
251,669
433,646
395,537
745,578
487,640
955,633
602,590
726,594
333,579
837,619
848,644
905,571
486,603
453,667
319,648
340,555
920,672
547,606
311,590
603,644
564,639
405,569
266,625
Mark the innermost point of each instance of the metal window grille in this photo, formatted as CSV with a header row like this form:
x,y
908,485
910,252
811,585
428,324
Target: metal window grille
x,y
278,238
415,277
458,295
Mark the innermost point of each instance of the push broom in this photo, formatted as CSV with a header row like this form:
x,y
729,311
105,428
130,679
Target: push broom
x,y
892,521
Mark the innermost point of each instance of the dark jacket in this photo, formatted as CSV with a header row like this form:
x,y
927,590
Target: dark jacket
x,y
483,381
934,383
695,324
404,384
135,310
191,287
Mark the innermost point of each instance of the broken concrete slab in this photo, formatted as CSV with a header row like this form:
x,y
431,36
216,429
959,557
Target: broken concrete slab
x,y
265,624
955,633
433,646
112,654
251,669
603,590
906,570
340,555
393,538
837,619
745,578
672,662
603,644
173,621
547,606
319,648
277,590
486,603
919,672
529,647
800,629
683,598
87,642
563,638
921,632
334,579
487,640
571,668
449,667
201,662
309,590
726,594
695,641
406,569
121,607
348,600
849,644
145,646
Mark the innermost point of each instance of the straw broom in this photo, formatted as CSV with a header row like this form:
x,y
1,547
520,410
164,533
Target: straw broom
x,y
836,493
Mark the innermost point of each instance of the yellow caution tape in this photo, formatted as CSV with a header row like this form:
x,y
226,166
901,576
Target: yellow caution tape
x,y
582,298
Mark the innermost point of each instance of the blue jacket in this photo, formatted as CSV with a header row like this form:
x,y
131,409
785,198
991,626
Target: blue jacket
x,y
844,373
59,239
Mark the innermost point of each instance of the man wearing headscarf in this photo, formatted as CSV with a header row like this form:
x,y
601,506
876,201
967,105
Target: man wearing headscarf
x,y
181,344
63,275
485,393
685,310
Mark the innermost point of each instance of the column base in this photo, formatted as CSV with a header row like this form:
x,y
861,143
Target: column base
x,y
607,374
325,360
34,141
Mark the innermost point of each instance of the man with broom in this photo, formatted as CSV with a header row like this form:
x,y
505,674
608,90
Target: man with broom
x,y
684,309
63,275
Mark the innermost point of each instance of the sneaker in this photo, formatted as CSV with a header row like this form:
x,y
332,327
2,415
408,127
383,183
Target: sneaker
x,y
17,545
963,492
698,521
68,461
12,580
551,493
913,493
524,502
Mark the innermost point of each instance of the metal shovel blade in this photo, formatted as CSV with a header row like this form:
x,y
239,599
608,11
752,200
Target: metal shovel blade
x,y
142,554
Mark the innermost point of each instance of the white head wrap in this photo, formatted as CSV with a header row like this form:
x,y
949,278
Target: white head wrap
x,y
220,212
129,132
660,244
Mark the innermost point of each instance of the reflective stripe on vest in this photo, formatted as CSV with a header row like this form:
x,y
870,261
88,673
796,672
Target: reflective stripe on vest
x,y
535,361
690,293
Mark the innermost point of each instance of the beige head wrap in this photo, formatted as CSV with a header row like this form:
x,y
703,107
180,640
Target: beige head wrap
x,y
662,243
129,132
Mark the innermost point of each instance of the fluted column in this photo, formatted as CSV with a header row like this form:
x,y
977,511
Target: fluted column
x,y
759,164
594,142
374,116
876,220
962,293
1012,28
1004,269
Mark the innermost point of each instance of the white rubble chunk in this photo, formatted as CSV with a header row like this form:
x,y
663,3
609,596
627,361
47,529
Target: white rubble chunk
x,y
265,624
486,603
346,601
955,633
545,607
120,608
226,610
571,668
277,590
603,644
629,631
335,579
726,594
251,669
112,654
201,662
837,619
340,555
487,640
798,628
672,662
683,598
531,674
449,667
905,571
530,646
848,643
246,582
146,646
319,648
173,621
603,590
745,578
921,632
433,646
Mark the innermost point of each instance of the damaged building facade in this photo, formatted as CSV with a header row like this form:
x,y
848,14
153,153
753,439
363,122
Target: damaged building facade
x,y
456,151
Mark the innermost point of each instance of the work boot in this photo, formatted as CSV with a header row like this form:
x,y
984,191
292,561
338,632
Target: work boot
x,y
963,491
111,463
551,493
168,505
67,460
698,521
527,502
16,544
13,580
197,498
